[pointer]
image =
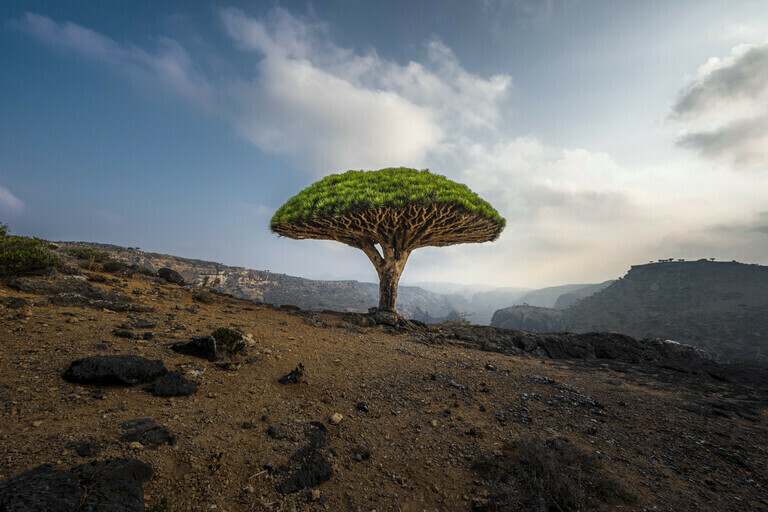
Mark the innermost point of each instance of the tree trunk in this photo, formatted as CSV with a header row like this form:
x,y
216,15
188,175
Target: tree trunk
x,y
389,266
389,276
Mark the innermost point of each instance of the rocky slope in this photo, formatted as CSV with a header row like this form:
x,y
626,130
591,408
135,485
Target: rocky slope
x,y
332,411
273,288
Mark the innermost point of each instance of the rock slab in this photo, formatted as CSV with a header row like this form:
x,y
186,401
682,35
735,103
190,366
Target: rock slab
x,y
120,370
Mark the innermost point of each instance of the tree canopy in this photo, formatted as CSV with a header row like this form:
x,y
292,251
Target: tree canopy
x,y
398,209
375,204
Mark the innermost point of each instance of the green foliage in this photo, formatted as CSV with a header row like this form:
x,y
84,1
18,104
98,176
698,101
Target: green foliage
x,y
113,266
20,255
89,254
229,340
338,194
543,476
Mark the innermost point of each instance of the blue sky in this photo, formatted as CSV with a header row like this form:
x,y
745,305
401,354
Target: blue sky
x,y
607,133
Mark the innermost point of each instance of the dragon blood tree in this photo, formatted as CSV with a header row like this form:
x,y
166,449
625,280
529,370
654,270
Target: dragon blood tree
x,y
398,209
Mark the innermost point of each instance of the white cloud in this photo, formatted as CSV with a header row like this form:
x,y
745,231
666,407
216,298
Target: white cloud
x,y
169,66
10,203
330,108
723,114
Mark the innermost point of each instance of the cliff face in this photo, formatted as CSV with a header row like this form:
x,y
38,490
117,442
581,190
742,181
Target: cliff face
x,y
721,307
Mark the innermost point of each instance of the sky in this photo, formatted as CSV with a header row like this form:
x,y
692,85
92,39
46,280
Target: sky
x,y
608,134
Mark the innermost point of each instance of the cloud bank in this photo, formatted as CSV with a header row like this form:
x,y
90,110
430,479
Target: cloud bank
x,y
723,113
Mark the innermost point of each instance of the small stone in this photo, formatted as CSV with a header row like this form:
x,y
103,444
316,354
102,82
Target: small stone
x,y
315,494
249,489
336,418
37,423
434,423
136,446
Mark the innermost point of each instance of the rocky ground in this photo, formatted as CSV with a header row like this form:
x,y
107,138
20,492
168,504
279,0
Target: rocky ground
x,y
367,416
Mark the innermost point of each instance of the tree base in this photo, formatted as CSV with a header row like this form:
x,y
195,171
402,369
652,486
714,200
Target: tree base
x,y
384,317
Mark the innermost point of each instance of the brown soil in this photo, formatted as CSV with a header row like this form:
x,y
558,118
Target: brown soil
x,y
432,409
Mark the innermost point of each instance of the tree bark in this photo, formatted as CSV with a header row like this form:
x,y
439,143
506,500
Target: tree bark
x,y
388,280
390,267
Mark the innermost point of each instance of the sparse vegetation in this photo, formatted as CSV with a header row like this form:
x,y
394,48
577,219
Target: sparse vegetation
x,y
21,255
89,254
113,266
456,318
540,476
229,340
92,259
204,296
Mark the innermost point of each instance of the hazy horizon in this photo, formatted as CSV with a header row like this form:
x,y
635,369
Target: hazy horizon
x,y
608,134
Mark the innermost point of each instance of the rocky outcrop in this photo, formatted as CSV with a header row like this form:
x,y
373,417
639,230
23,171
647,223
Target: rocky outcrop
x,y
721,307
530,318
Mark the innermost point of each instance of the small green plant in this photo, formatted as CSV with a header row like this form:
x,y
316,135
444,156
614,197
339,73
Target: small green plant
x,y
160,506
21,255
229,340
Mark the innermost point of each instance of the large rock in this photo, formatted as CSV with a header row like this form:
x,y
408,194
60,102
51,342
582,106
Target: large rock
x,y
114,485
530,318
171,384
121,370
171,276
200,346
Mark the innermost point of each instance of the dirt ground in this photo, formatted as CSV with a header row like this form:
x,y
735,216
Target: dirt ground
x,y
432,409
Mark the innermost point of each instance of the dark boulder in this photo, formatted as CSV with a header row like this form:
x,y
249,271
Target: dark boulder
x,y
98,486
120,370
147,432
294,376
41,488
200,346
171,384
16,302
170,276
314,470
85,449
